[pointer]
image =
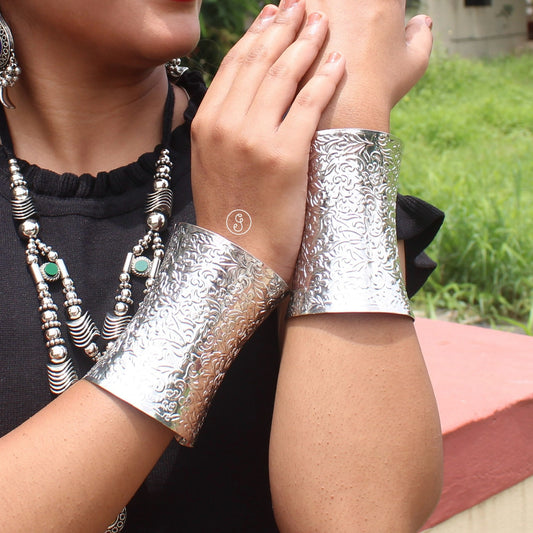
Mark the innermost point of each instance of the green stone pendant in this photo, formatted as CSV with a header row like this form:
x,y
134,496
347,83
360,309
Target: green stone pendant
x,y
50,271
141,266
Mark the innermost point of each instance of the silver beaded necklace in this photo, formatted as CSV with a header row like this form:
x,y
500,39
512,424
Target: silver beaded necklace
x,y
46,266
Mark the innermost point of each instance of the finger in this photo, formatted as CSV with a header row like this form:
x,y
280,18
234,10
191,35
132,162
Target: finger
x,y
225,75
264,52
419,40
302,119
281,81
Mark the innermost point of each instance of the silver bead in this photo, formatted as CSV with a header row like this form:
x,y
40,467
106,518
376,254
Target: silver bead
x,y
124,277
68,283
125,293
20,193
160,183
57,354
149,283
52,333
138,249
121,308
48,316
42,286
29,228
92,350
53,256
156,221
159,253
74,312
31,259
70,295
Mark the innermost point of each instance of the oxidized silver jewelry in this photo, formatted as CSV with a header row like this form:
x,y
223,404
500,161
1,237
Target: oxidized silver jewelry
x,y
9,69
208,299
46,267
349,259
174,69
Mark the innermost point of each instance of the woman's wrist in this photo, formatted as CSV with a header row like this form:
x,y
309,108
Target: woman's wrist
x,y
349,258
209,298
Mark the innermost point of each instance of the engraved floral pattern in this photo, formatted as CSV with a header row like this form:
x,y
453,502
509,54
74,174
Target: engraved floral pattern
x,y
208,299
349,260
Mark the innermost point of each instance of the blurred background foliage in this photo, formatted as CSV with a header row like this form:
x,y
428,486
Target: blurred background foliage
x,y
222,23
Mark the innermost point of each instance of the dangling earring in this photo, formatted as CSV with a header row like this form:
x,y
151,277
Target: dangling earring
x,y
9,69
174,69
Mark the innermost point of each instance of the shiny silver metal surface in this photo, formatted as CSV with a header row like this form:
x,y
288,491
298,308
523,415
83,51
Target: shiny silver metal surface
x,y
349,259
208,299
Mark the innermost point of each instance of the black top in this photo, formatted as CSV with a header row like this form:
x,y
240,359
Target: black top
x,y
220,485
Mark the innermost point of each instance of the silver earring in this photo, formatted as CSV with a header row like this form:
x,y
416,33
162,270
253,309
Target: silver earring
x,y
174,69
9,69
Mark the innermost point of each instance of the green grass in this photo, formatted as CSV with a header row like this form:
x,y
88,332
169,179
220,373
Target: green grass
x,y
468,134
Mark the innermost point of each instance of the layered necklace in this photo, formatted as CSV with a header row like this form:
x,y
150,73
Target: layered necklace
x,y
46,267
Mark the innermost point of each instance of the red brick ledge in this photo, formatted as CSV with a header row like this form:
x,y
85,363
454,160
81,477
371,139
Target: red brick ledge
x,y
483,382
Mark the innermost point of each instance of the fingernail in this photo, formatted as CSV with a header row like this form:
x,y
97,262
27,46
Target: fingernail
x,y
287,4
429,22
333,57
268,11
314,18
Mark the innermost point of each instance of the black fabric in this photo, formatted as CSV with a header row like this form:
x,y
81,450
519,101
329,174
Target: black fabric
x,y
417,223
220,485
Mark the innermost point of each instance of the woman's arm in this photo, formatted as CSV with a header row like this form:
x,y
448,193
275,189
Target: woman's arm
x,y
80,459
76,463
383,61
356,443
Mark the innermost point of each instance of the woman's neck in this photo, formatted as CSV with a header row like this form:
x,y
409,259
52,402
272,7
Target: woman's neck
x,y
88,124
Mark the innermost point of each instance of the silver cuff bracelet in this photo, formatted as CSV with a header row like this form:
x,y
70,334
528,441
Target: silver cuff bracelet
x,y
208,299
349,259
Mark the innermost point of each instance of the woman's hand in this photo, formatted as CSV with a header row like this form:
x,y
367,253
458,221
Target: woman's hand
x,y
384,58
252,133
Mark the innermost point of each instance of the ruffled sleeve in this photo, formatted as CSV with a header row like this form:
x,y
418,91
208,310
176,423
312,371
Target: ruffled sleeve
x,y
417,223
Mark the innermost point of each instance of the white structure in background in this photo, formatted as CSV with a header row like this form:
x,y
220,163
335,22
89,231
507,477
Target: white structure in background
x,y
475,28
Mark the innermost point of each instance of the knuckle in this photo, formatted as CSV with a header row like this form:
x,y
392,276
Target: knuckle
x,y
256,53
246,146
220,132
306,100
379,12
273,159
279,71
254,29
283,19
197,127
228,60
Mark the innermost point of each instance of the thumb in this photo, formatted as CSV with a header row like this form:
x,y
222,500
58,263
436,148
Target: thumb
x,y
419,40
